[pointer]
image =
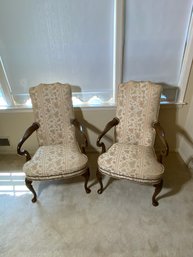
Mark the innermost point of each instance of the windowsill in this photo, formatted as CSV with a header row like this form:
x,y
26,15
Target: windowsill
x,y
163,105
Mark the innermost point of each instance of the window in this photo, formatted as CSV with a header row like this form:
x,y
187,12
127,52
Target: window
x,y
2,98
93,45
58,40
155,38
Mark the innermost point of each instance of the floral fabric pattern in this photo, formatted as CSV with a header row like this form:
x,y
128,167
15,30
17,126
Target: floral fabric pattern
x,y
137,108
52,107
56,161
132,156
59,155
134,162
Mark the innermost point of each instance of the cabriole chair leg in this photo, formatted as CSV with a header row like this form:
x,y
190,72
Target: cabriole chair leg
x,y
30,187
158,188
86,175
99,178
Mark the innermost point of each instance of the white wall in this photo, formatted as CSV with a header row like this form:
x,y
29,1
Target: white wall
x,y
185,125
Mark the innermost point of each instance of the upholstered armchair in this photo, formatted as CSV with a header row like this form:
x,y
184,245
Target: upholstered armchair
x,y
132,154
59,155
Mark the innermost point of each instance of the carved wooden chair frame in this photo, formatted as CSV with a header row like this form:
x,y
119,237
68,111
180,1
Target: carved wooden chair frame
x,y
35,126
163,153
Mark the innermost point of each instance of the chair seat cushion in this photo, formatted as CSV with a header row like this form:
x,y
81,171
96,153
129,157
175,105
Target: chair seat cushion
x,y
56,161
134,162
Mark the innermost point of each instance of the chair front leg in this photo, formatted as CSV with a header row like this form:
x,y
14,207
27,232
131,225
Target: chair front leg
x,y
86,175
30,187
158,188
99,178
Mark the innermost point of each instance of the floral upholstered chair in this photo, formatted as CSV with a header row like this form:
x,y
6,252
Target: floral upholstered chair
x,y
132,156
58,155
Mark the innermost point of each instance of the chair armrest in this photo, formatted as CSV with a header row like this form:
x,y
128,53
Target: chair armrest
x,y
161,134
79,126
109,125
27,134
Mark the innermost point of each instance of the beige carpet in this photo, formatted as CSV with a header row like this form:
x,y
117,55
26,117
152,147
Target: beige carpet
x,y
119,223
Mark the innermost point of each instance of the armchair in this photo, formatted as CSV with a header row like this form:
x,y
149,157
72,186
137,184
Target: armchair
x,y
132,156
58,155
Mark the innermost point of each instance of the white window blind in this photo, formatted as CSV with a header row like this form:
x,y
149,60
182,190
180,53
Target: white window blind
x,y
155,38
94,45
46,41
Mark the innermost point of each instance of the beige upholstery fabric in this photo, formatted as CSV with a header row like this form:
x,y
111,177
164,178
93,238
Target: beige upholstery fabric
x,y
56,161
59,155
52,107
134,162
132,156
137,109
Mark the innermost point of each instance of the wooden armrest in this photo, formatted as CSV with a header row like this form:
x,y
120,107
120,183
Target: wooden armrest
x,y
79,126
27,134
161,134
109,125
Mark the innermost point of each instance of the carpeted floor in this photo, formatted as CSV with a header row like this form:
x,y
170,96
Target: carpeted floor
x,y
119,223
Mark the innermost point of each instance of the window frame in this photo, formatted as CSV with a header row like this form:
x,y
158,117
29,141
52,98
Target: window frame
x,y
6,86
186,62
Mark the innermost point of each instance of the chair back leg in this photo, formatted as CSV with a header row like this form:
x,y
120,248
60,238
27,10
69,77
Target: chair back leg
x,y
99,178
86,175
158,188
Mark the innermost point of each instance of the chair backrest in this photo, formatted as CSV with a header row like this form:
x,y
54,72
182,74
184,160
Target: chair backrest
x,y
52,107
137,108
